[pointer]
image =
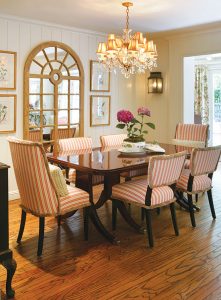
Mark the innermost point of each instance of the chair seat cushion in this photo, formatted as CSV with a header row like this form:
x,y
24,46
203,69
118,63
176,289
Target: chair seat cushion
x,y
75,199
135,192
200,183
59,180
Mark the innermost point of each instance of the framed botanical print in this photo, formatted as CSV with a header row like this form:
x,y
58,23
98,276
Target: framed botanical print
x,y
99,110
7,113
99,77
8,70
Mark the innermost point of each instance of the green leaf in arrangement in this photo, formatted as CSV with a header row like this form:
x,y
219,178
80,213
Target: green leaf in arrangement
x,y
121,126
145,131
151,125
135,121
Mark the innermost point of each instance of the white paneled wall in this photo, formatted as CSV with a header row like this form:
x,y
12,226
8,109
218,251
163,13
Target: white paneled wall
x,y
22,36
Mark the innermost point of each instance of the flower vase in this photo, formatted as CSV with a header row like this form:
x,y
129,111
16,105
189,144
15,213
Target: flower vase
x,y
133,146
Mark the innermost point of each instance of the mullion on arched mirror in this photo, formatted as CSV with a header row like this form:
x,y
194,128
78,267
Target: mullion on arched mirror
x,y
52,75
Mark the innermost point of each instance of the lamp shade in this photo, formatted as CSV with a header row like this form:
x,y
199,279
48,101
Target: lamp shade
x,y
155,83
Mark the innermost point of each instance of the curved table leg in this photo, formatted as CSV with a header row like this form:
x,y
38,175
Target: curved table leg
x,y
183,202
127,217
10,265
100,227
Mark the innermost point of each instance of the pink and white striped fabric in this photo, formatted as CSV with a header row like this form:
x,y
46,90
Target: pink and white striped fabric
x,y
166,169
81,143
34,135
163,170
192,132
37,191
200,183
63,133
113,140
204,161
135,192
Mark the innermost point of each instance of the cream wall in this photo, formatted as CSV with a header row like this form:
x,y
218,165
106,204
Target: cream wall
x,y
182,45
22,36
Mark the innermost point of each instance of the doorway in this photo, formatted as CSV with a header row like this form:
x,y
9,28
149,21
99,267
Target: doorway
x,y
202,93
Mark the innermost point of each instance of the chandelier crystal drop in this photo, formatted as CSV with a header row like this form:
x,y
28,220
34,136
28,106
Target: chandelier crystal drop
x,y
130,53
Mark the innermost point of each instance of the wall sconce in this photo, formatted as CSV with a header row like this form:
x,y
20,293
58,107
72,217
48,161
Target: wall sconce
x,y
155,83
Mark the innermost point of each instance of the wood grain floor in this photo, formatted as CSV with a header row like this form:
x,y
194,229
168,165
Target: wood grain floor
x,y
184,267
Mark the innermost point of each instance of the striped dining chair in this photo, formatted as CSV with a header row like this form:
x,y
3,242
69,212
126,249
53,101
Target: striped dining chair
x,y
38,192
63,133
34,135
114,141
78,145
190,135
154,191
198,178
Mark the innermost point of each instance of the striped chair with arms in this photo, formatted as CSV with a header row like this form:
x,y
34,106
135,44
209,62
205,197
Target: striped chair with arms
x,y
198,178
114,141
155,191
37,189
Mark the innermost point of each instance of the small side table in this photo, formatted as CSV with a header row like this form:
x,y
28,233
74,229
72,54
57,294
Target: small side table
x,y
6,256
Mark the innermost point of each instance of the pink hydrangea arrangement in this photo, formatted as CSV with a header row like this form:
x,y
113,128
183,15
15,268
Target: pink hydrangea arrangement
x,y
134,126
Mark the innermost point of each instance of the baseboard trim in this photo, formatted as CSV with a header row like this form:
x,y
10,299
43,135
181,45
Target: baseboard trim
x,y
12,195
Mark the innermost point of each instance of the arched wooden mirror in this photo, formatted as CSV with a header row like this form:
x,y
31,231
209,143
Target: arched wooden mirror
x,y
53,92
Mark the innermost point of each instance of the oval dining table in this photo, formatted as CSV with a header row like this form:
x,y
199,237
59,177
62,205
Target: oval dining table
x,y
108,163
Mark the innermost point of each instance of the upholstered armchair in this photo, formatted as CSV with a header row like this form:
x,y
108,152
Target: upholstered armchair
x,y
198,178
38,192
152,192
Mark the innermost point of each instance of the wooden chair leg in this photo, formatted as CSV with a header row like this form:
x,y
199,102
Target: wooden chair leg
x,y
149,227
22,226
158,211
142,214
86,222
196,197
114,215
173,215
192,217
210,198
59,221
41,235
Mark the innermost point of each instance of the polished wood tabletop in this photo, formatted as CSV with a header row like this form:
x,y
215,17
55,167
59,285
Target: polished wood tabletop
x,y
103,160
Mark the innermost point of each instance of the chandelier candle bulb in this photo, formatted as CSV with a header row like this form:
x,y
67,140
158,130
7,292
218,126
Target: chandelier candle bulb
x,y
130,53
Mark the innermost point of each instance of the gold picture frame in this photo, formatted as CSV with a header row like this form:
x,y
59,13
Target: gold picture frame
x,y
100,110
7,113
99,77
8,65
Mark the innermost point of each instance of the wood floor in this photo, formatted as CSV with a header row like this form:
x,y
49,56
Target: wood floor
x,y
183,267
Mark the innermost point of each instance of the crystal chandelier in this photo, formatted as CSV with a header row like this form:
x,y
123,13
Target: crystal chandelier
x,y
130,53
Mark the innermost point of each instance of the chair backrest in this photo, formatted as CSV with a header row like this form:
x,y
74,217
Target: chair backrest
x,y
113,140
35,184
81,143
35,135
204,161
63,133
192,132
165,170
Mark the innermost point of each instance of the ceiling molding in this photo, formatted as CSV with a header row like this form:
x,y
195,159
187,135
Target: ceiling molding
x,y
58,26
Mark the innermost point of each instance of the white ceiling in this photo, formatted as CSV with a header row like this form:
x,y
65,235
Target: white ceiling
x,y
109,15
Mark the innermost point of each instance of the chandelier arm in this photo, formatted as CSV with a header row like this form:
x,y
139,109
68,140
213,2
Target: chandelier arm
x,y
127,18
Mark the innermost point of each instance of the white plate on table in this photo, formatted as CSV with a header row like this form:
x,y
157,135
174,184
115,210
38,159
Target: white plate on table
x,y
154,148
138,151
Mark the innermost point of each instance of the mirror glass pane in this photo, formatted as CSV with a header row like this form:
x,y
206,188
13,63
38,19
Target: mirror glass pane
x,y
34,119
74,71
74,86
48,101
34,102
48,87
35,68
62,117
50,51
40,57
34,85
74,101
63,87
62,101
48,117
